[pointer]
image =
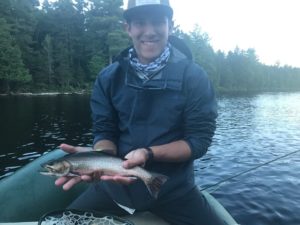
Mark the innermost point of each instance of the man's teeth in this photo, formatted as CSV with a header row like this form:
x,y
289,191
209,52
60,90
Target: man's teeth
x,y
149,41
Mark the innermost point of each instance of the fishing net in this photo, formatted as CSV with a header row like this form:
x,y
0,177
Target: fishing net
x,y
76,217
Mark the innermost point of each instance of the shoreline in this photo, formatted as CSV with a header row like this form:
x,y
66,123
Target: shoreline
x,y
45,93
83,92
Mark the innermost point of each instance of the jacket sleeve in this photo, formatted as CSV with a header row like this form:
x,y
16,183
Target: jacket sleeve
x,y
200,111
104,116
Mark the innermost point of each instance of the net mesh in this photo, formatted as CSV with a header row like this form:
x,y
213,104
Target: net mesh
x,y
71,217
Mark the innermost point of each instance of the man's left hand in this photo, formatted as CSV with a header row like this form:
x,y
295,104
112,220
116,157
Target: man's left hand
x,y
134,158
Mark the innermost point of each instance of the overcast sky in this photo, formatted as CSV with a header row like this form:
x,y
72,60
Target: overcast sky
x,y
271,27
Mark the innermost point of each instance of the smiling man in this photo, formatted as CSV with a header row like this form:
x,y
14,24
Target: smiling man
x,y
156,108
149,31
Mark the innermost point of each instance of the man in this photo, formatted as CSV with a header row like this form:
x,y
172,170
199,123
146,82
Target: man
x,y
155,108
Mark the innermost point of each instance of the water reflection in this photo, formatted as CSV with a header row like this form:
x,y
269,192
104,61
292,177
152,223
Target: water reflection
x,y
37,124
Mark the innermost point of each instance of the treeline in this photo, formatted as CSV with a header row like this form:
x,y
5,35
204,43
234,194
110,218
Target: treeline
x,y
62,46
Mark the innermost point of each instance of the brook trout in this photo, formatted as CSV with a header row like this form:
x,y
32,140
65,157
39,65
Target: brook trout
x,y
93,163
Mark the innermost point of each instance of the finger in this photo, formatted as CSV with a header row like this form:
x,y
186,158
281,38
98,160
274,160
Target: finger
x,y
86,178
60,181
107,178
124,180
118,179
128,164
69,184
67,148
74,149
127,156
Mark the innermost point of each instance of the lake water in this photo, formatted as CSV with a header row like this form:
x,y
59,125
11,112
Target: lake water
x,y
252,130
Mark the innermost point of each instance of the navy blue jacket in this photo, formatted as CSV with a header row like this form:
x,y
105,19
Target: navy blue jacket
x,y
177,104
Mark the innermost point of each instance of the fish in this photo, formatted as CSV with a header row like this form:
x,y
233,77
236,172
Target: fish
x,y
93,163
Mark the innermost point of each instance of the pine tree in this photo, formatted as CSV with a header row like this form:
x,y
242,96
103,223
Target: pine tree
x,y
12,68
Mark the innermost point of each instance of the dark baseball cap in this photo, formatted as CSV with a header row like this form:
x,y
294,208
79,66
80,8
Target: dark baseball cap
x,y
142,7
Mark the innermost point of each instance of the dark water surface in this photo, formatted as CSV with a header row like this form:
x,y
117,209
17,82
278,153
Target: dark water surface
x,y
251,130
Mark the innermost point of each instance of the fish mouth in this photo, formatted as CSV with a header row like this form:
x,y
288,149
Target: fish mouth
x,y
57,169
47,173
47,170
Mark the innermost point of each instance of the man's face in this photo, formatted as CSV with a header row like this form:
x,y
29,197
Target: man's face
x,y
149,35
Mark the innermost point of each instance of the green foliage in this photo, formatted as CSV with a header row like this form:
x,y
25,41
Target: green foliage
x,y
104,29
12,69
116,42
63,45
96,63
203,52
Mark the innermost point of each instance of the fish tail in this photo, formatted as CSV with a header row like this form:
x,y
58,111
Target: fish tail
x,y
155,183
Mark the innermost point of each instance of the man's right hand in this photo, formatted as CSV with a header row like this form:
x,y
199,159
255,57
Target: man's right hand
x,y
68,182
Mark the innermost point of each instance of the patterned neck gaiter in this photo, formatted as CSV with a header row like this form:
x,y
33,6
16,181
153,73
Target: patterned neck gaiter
x,y
147,72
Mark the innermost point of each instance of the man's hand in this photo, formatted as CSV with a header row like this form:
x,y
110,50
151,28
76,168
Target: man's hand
x,y
134,158
68,182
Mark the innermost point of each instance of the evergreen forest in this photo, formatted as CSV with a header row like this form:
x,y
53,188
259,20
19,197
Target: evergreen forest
x,y
61,46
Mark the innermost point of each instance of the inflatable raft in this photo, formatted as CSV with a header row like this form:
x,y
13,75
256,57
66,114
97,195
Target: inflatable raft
x,y
26,196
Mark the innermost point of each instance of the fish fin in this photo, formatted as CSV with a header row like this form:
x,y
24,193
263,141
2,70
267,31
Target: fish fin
x,y
155,183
